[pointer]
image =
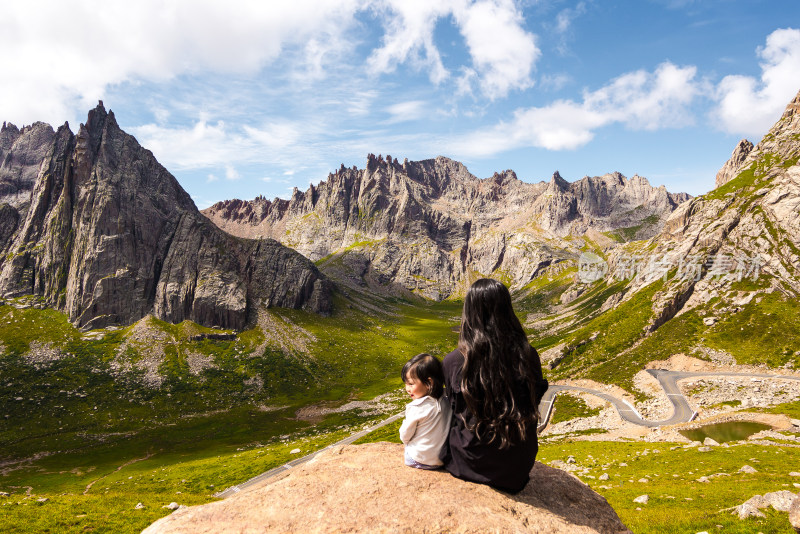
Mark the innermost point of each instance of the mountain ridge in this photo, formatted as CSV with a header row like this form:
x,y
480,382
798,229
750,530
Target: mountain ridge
x,y
428,227
108,236
721,280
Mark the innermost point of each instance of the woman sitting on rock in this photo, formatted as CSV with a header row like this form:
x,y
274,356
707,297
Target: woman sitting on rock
x,y
494,383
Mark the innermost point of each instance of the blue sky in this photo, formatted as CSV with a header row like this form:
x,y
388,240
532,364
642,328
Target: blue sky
x,y
244,98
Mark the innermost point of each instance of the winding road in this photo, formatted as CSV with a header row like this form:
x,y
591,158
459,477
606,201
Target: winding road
x,y
681,413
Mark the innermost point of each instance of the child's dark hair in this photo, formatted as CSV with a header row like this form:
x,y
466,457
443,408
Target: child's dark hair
x,y
427,370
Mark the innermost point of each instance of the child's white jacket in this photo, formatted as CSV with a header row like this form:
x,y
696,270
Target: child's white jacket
x,y
425,428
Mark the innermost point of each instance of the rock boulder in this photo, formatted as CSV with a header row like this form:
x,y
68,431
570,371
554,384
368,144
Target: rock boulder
x,y
366,488
794,514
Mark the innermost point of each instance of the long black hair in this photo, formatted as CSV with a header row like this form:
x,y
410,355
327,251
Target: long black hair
x,y
501,369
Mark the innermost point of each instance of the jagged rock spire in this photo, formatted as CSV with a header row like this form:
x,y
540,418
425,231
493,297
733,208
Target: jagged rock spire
x,y
109,236
734,164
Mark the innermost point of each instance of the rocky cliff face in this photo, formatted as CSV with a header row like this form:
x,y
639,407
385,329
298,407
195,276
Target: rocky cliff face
x,y
746,229
735,163
429,226
21,153
94,225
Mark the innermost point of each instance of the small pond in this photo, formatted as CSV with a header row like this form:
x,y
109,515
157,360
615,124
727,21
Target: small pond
x,y
722,432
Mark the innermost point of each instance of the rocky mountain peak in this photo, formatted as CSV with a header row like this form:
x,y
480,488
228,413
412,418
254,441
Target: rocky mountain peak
x,y
732,167
750,219
8,134
21,152
426,226
782,138
793,108
95,123
102,231
96,116
776,150
557,182
615,178
506,176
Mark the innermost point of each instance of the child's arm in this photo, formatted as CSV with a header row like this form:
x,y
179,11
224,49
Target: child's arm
x,y
408,429
414,414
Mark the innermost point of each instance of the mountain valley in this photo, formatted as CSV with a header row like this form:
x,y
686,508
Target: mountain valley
x,y
154,353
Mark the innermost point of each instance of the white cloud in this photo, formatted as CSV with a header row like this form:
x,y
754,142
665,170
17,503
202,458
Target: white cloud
x,y
200,146
639,100
52,76
211,178
66,54
293,149
563,25
81,51
161,114
276,135
409,36
648,101
406,111
502,52
360,102
207,145
566,16
465,81
231,173
748,106
554,82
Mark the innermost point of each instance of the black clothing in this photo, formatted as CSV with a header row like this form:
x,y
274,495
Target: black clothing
x,y
467,457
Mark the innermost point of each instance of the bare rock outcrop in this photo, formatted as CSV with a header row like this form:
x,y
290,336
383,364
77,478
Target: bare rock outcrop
x,y
21,153
426,227
735,163
794,514
366,488
781,501
106,234
746,230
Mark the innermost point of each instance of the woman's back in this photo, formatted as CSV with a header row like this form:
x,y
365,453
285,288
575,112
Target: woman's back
x,y
493,382
469,458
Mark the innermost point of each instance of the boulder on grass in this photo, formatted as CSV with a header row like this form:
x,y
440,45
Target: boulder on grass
x,y
366,488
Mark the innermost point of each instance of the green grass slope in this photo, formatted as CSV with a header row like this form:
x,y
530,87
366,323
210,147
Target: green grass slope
x,y
82,412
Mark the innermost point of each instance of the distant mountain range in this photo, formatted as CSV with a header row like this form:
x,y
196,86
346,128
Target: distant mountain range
x,y
430,227
93,225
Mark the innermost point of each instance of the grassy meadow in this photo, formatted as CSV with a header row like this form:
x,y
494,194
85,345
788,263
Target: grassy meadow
x,y
95,423
82,442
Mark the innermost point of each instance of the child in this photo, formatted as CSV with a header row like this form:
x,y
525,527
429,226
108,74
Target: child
x,y
427,423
